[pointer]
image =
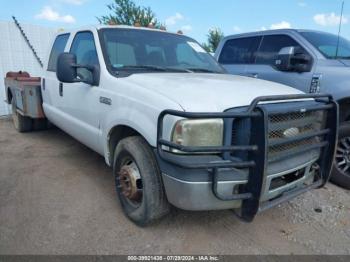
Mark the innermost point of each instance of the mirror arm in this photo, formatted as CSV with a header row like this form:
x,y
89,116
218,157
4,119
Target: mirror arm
x,y
88,67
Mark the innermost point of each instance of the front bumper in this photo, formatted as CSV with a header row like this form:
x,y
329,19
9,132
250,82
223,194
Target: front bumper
x,y
217,181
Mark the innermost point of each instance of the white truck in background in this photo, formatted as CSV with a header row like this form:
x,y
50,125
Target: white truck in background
x,y
175,128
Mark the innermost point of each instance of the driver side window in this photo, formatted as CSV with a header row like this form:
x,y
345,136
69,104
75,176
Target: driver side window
x,y
271,46
84,48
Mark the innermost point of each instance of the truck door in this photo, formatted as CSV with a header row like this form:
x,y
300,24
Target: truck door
x,y
80,101
237,53
50,83
266,56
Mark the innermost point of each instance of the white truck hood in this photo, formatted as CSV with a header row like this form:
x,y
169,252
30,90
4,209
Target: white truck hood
x,y
196,92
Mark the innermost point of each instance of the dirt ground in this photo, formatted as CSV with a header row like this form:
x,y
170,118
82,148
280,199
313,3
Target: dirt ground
x,y
57,197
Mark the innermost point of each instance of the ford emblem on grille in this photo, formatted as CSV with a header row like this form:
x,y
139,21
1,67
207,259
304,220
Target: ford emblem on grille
x,y
291,132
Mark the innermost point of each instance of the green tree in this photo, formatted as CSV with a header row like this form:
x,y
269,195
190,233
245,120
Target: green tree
x,y
215,35
126,12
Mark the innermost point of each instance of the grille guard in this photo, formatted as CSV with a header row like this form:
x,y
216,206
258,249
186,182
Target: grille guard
x,y
257,150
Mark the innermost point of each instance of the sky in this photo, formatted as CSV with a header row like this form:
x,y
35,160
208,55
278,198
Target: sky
x,y
194,18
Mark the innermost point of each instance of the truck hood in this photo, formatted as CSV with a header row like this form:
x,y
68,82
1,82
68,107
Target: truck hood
x,y
209,92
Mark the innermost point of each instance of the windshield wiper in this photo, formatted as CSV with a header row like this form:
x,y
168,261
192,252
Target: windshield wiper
x,y
204,70
339,57
157,68
343,57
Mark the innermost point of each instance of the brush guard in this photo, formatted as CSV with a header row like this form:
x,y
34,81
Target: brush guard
x,y
257,150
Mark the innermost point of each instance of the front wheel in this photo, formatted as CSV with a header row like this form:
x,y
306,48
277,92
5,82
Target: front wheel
x,y
138,181
21,123
341,164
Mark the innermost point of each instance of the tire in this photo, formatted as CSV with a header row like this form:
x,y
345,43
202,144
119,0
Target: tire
x,y
21,123
40,124
147,202
341,171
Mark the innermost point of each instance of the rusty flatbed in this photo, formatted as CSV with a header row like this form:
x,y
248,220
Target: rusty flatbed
x,y
26,92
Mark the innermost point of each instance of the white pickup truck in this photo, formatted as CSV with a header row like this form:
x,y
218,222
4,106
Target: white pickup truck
x,y
175,128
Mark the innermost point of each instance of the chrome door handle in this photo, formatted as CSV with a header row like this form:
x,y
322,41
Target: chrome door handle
x,y
60,89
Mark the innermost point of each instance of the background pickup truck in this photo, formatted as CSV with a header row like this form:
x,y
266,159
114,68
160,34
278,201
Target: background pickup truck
x,y
174,127
310,61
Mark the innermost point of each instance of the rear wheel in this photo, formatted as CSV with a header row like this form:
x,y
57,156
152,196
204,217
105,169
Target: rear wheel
x,y
341,164
21,123
138,181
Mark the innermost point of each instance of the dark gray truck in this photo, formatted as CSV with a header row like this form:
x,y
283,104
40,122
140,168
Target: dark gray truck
x,y
310,61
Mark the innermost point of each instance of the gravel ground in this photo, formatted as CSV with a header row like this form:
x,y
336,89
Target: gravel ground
x,y
57,197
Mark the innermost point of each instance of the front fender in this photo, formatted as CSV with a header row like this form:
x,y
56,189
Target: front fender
x,y
336,81
340,91
143,121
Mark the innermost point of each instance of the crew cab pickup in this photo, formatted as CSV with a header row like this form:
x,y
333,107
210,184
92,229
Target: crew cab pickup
x,y
175,128
311,61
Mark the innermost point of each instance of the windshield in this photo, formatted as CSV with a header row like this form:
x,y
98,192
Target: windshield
x,y
129,51
327,44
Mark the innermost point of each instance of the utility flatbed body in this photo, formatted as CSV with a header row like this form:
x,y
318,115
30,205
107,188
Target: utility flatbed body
x,y
26,91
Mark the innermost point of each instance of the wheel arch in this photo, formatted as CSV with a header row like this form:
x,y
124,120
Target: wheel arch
x,y
116,134
344,109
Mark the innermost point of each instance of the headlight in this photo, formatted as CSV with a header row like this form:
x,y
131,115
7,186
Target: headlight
x,y
200,132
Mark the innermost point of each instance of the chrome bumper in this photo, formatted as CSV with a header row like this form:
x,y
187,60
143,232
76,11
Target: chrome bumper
x,y
198,195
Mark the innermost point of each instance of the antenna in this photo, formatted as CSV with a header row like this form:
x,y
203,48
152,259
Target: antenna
x,y
340,22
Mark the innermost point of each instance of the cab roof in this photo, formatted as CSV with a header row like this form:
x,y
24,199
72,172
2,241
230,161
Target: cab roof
x,y
275,31
98,27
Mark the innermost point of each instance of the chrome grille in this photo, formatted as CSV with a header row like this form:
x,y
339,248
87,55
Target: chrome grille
x,y
279,133
285,131
291,116
291,145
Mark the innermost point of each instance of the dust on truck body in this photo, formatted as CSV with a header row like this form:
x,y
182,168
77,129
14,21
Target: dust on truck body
x,y
176,129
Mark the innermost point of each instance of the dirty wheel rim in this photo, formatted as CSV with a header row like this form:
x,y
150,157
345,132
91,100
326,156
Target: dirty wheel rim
x,y
15,116
342,157
130,182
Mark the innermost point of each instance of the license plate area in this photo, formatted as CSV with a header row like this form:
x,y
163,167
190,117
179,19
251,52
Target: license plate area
x,y
286,179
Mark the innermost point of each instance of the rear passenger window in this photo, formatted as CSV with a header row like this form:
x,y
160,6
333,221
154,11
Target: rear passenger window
x,y
57,49
270,47
239,51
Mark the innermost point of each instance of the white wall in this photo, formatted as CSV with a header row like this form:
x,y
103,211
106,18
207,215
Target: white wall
x,y
16,55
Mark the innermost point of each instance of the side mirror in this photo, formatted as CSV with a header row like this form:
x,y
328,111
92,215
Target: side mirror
x,y
293,59
67,70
